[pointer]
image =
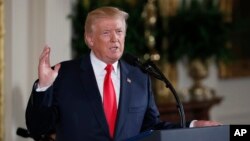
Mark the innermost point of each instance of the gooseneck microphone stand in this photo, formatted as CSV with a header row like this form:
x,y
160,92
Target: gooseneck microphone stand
x,y
153,70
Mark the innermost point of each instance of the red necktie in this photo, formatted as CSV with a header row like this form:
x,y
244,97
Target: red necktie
x,y
109,100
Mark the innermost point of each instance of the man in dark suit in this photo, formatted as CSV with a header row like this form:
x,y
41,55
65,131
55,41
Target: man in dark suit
x,y
72,98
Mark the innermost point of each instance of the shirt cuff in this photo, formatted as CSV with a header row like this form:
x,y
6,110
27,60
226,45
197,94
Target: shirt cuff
x,y
192,123
40,89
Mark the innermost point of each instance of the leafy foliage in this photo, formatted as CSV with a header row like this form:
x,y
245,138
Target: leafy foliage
x,y
198,32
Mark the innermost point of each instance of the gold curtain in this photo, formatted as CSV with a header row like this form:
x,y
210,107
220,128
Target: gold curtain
x,y
1,67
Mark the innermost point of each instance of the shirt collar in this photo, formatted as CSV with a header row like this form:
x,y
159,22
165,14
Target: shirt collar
x,y
99,65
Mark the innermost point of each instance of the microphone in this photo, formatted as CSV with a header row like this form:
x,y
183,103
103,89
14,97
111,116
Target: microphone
x,y
129,58
145,67
150,68
22,132
25,134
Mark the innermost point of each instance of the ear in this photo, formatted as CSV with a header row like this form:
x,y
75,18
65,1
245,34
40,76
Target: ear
x,y
89,40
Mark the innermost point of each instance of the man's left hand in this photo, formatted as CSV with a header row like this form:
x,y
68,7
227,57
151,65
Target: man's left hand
x,y
202,123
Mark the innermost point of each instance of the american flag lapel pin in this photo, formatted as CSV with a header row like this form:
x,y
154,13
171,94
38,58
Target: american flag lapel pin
x,y
129,80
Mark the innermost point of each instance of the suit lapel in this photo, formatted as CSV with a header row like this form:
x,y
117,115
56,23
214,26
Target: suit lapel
x,y
124,99
92,92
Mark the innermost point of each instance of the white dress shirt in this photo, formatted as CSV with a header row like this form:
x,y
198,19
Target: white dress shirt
x,y
100,72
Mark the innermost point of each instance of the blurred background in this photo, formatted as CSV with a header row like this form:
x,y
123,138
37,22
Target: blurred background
x,y
202,47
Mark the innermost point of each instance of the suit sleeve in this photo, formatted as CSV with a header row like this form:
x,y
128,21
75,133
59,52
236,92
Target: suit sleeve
x,y
41,113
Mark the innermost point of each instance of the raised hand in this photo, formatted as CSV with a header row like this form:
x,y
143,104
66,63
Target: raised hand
x,y
46,74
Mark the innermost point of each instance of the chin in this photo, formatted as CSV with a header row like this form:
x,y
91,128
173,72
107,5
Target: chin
x,y
116,55
115,58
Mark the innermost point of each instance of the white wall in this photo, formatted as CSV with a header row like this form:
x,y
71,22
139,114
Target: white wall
x,y
30,24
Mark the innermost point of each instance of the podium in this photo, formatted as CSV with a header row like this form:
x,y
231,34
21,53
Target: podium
x,y
212,133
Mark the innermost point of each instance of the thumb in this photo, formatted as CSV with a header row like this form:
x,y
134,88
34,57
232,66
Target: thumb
x,y
57,67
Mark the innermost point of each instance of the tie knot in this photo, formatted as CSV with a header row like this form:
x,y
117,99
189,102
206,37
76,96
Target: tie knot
x,y
109,68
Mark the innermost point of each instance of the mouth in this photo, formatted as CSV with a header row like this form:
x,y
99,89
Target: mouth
x,y
114,48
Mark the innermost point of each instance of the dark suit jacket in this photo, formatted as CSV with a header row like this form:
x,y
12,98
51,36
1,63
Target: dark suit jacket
x,y
73,106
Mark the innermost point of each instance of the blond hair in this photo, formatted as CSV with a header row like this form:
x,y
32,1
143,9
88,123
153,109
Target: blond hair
x,y
103,12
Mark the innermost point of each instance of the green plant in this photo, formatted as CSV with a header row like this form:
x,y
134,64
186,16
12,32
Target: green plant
x,y
197,32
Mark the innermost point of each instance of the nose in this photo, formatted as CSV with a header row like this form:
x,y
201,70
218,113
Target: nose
x,y
114,37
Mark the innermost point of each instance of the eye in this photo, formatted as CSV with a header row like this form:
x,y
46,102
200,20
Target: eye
x,y
105,33
119,31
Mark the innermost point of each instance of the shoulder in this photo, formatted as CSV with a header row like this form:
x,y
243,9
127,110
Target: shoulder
x,y
70,64
73,64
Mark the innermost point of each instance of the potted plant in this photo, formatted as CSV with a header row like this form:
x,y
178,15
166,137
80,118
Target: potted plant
x,y
198,33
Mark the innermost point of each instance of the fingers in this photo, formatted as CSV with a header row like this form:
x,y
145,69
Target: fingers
x,y
45,52
214,123
47,58
202,123
44,57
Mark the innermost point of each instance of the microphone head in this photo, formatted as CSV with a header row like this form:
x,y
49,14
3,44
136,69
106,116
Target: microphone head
x,y
131,59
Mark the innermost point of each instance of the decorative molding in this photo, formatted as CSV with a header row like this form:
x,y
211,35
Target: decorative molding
x,y
1,68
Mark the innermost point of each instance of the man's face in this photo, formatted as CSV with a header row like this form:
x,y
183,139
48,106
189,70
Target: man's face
x,y
107,39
